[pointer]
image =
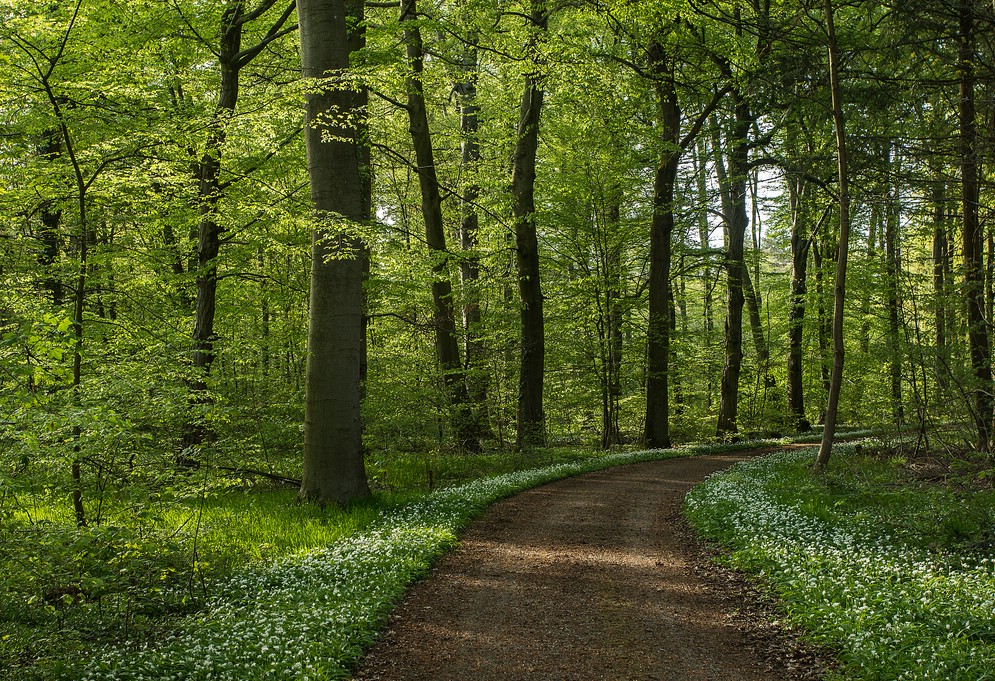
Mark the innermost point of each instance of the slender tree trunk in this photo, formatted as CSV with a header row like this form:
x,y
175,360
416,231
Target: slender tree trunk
x,y
51,222
531,417
446,341
756,324
941,255
735,267
892,268
333,455
865,303
474,351
974,290
704,231
800,243
231,59
657,427
612,341
836,380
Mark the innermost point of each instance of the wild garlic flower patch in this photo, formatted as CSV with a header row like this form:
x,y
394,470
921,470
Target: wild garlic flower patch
x,y
311,616
894,611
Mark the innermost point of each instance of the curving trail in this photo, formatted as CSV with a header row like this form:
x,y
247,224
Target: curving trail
x,y
593,577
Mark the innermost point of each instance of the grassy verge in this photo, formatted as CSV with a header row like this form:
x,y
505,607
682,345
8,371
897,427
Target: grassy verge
x,y
309,615
895,573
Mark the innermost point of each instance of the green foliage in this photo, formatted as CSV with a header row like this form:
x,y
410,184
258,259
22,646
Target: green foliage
x,y
891,572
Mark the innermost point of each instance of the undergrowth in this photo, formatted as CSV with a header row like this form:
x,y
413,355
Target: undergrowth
x,y
894,572
307,606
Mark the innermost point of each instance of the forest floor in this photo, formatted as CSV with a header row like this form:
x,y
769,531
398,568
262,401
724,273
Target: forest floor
x,y
592,577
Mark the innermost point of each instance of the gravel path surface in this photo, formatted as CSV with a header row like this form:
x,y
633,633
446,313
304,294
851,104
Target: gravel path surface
x,y
593,577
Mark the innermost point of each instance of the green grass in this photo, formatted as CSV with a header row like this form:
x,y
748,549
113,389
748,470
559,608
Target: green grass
x,y
243,583
156,554
893,572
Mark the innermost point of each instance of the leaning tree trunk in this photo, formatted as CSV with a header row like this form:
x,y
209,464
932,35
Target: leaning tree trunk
x,y
974,289
531,418
836,380
446,342
333,454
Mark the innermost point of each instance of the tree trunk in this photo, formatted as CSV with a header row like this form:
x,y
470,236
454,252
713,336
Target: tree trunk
x,y
941,254
446,342
974,290
657,427
231,59
531,418
892,268
836,380
735,267
474,352
704,238
333,455
800,243
51,221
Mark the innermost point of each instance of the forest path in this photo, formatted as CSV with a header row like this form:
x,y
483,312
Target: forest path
x,y
592,577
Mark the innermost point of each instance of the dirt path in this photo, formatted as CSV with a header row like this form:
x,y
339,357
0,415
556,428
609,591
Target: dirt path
x,y
593,577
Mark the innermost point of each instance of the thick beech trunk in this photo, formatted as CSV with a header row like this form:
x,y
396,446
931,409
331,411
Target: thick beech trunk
x,y
444,316
531,417
657,427
333,456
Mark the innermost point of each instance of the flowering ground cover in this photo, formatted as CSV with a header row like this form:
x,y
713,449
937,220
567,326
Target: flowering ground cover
x,y
895,574
310,616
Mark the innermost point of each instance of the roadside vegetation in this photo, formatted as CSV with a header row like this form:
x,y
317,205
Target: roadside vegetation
x,y
886,557
174,552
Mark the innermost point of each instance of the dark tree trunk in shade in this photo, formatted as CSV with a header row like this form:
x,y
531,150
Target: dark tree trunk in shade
x,y
839,290
657,426
444,315
531,417
473,351
941,257
974,289
800,243
892,268
333,456
738,155
50,237
232,58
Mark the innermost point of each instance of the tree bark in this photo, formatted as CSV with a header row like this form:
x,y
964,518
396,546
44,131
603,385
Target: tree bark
x,y
231,59
474,354
941,254
657,427
839,297
333,455
974,289
531,417
446,341
800,243
735,267
892,268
